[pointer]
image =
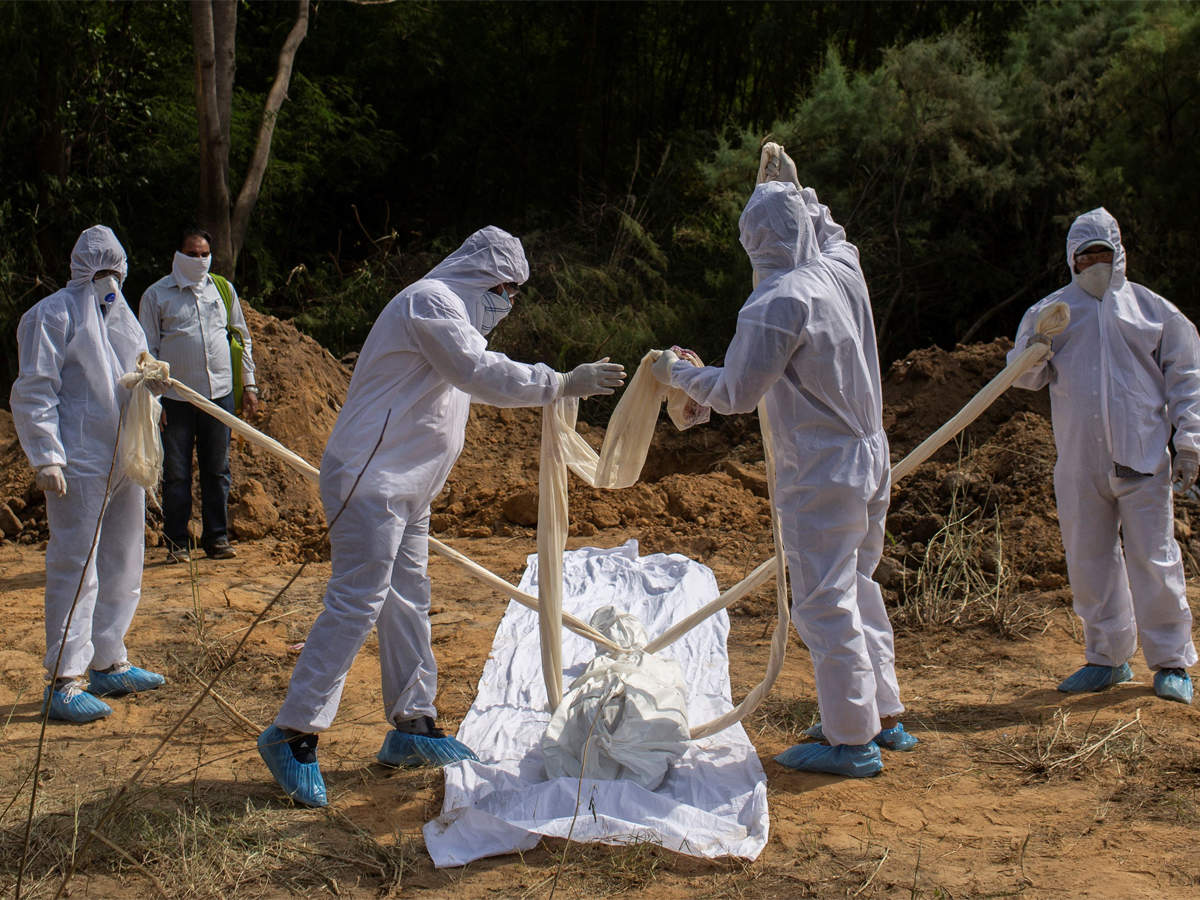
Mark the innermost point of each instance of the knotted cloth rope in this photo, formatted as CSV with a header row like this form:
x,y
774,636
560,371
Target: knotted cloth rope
x,y
617,465
139,445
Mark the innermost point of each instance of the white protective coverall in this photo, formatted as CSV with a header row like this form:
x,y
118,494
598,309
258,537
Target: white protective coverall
x,y
66,405
1126,369
423,363
806,340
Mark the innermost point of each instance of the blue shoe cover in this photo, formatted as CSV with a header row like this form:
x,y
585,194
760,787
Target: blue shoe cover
x,y
300,781
895,738
129,680
854,760
1095,678
401,749
1173,684
73,704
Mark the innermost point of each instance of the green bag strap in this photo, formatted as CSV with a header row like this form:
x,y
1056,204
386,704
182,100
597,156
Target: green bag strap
x,y
235,338
226,292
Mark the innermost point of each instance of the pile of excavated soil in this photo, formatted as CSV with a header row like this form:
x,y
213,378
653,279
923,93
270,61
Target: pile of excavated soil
x,y
701,489
302,388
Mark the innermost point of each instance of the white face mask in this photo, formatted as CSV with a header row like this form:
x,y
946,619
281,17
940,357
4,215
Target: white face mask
x,y
107,289
492,309
190,270
1095,278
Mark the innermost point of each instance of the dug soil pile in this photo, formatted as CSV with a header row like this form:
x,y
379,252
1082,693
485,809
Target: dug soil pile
x,y
701,490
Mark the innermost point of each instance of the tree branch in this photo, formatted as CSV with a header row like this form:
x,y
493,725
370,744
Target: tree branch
x,y
248,195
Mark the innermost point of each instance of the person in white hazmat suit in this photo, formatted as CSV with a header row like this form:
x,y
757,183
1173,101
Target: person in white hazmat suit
x,y
805,342
73,347
1124,372
424,361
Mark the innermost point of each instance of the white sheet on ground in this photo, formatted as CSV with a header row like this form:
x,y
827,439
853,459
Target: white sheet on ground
x,y
712,803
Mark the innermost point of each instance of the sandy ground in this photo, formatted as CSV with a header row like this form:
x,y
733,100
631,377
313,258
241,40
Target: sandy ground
x,y
991,804
1015,788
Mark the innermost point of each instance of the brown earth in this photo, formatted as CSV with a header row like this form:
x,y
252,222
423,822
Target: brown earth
x,y
1016,789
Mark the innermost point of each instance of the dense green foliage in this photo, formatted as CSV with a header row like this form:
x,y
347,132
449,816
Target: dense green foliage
x,y
954,141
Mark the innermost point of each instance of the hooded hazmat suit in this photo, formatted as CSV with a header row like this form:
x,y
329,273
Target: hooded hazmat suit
x,y
1122,374
66,405
805,341
423,363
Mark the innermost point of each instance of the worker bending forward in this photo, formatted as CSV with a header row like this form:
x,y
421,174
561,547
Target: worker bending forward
x,y
805,343
391,450
1122,374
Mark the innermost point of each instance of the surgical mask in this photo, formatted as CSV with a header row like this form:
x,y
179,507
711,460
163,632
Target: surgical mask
x,y
190,270
1095,278
493,308
107,290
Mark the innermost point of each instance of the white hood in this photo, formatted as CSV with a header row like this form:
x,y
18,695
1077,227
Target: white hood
x,y
776,230
96,250
489,257
1097,225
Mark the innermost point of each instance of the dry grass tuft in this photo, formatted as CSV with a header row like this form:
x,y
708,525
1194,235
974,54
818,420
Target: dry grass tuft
x,y
965,580
179,849
783,719
1055,750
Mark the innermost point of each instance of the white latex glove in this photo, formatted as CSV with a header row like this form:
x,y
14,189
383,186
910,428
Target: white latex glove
x,y
661,367
591,379
787,170
157,386
1184,470
50,479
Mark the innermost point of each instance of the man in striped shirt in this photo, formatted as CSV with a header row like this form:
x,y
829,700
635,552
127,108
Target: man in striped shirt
x,y
186,324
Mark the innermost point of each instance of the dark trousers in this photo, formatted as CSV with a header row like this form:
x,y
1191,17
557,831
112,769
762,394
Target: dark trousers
x,y
187,427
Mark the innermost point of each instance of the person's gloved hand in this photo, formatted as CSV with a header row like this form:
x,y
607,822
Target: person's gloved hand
x,y
157,386
661,367
51,479
787,170
591,379
1184,470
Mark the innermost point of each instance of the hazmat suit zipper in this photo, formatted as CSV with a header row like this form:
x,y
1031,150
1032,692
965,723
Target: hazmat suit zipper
x,y
1104,370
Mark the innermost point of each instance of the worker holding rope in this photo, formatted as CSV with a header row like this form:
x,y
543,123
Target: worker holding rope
x,y
805,342
424,361
1122,375
67,405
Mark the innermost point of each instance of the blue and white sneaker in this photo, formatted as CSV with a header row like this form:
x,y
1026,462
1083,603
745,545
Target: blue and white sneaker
x,y
1091,678
123,679
1173,684
853,760
292,759
895,738
421,743
69,702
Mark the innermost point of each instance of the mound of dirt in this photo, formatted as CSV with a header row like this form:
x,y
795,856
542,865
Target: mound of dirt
x,y
701,489
302,388
22,506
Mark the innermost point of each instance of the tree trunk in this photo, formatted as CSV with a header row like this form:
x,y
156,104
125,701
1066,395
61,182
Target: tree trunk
x,y
214,39
248,196
224,42
214,145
